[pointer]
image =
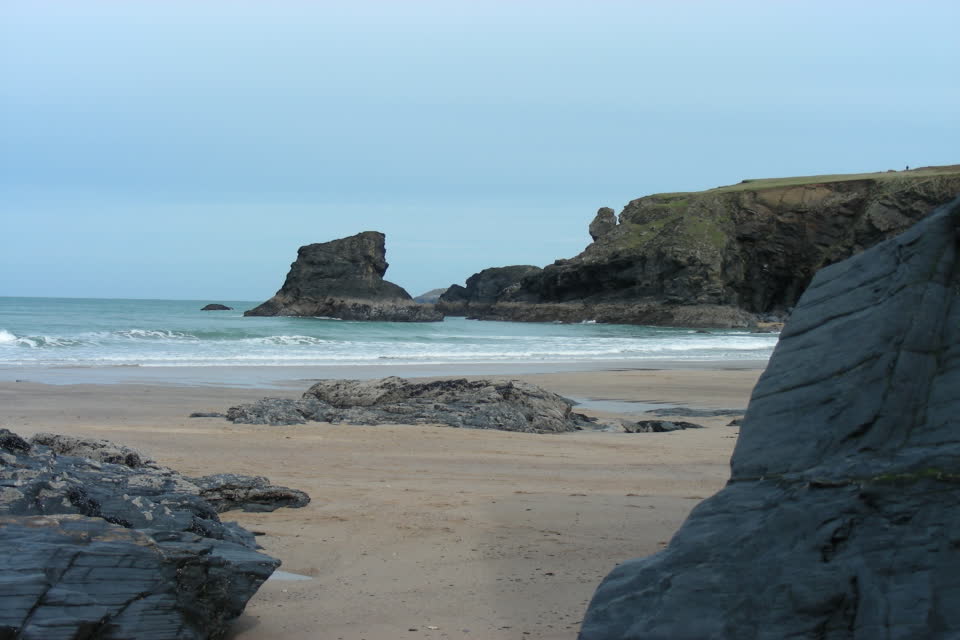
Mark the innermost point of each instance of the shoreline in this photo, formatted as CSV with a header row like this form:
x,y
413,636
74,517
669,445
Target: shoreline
x,y
480,534
287,376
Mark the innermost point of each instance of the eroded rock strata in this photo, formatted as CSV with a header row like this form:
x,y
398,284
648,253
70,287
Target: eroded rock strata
x,y
474,404
101,542
344,279
841,518
737,254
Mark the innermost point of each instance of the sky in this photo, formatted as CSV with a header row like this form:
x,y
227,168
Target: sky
x,y
185,150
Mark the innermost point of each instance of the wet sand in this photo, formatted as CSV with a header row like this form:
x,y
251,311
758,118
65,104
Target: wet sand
x,y
429,532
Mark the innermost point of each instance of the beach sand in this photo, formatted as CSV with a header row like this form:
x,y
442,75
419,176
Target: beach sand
x,y
429,532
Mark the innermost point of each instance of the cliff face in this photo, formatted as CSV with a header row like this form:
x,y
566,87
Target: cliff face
x,y
841,517
344,279
483,289
753,247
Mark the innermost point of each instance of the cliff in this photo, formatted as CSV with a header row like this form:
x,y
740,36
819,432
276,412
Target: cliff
x,y
735,253
344,279
840,519
483,289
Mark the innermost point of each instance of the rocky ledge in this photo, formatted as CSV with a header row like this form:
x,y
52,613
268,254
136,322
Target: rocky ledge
x,y
101,542
725,257
344,279
841,518
474,404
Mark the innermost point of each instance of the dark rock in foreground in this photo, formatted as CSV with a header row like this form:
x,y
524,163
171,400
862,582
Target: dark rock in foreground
x,y
344,279
477,404
216,307
842,515
101,542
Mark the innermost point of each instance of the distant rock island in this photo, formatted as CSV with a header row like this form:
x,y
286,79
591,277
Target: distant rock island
x,y
216,307
430,297
841,516
725,257
344,279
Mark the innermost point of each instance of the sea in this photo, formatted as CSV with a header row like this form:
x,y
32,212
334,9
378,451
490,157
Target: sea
x,y
104,340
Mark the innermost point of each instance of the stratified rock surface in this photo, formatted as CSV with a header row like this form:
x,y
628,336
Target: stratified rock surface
x,y
101,542
725,257
841,519
344,279
475,404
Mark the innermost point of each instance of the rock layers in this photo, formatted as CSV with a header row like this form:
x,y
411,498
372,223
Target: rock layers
x,y
476,404
100,542
841,518
344,279
725,257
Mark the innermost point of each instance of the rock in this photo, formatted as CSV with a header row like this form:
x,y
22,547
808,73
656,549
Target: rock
x,y
735,253
736,422
99,450
101,542
477,404
72,576
207,414
841,515
658,426
344,279
229,491
216,307
603,223
483,288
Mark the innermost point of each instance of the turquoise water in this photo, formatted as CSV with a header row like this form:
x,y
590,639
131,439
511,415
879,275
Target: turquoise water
x,y
57,332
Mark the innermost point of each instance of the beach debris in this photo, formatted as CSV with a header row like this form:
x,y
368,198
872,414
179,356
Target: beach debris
x,y
97,536
475,404
841,515
658,426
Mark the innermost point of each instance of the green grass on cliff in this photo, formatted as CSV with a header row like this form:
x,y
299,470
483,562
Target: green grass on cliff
x,y
773,183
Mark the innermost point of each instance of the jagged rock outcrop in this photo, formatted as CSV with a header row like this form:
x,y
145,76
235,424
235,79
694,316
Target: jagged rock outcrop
x,y
101,542
604,222
483,289
344,279
216,307
473,404
841,518
749,248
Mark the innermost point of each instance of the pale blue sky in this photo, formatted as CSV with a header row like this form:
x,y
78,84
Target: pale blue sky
x,y
186,149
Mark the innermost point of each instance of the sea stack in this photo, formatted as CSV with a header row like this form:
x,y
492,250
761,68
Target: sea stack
x,y
344,279
841,518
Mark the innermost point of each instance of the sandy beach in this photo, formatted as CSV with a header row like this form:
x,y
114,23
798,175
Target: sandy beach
x,y
429,532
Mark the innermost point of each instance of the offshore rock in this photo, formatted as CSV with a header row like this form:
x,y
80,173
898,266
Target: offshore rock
x,y
483,289
111,545
430,297
216,307
476,404
746,250
344,279
842,513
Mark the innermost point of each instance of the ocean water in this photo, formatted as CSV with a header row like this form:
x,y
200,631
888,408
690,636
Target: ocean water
x,y
62,332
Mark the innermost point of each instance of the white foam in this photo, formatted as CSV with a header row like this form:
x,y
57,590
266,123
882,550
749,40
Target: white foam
x,y
7,338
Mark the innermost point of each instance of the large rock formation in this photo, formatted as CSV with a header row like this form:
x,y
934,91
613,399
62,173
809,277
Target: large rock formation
x,y
101,542
476,404
734,252
483,289
344,279
841,518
